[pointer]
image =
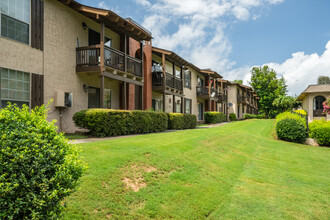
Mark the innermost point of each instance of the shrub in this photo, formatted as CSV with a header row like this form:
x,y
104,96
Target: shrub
x,y
232,117
179,121
39,168
287,115
214,117
108,122
301,112
261,116
322,135
320,130
292,130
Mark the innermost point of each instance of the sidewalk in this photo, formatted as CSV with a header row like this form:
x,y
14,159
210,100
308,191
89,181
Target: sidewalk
x,y
93,139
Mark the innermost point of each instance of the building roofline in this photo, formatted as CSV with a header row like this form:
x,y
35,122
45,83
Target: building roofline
x,y
110,19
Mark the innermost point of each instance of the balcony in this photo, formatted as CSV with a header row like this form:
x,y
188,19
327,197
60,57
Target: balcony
x,y
88,59
241,99
172,82
202,91
318,113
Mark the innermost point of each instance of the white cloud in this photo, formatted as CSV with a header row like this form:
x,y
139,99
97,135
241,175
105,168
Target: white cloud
x,y
195,29
103,5
299,71
144,3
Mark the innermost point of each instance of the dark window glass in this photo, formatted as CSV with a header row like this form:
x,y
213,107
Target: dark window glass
x,y
318,102
187,79
14,29
93,97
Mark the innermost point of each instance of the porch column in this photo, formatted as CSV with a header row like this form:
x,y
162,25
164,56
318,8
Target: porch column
x,y
182,105
125,54
102,64
142,71
174,104
164,99
125,96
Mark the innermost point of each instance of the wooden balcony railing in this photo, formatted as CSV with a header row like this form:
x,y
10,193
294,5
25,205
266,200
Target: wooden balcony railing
x,y
202,90
173,82
134,66
90,56
318,113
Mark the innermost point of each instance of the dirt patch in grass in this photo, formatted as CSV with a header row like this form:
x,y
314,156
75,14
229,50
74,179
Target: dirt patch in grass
x,y
134,176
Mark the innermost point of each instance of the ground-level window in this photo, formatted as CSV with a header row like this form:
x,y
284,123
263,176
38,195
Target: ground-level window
x,y
107,98
188,106
157,104
318,103
15,87
93,97
178,106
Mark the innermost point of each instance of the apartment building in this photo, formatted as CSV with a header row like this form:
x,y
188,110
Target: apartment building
x,y
79,56
242,100
181,87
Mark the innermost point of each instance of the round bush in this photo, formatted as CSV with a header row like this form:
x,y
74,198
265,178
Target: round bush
x,y
291,130
38,165
232,117
322,135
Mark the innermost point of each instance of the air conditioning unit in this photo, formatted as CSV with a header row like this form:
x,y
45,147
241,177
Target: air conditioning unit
x,y
63,99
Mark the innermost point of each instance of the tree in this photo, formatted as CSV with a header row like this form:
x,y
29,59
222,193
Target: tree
x,y
239,81
268,87
323,80
285,103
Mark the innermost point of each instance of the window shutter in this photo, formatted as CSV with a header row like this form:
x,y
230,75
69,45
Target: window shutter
x,y
37,90
37,24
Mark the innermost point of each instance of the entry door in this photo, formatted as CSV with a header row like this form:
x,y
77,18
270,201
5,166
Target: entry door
x,y
93,97
200,111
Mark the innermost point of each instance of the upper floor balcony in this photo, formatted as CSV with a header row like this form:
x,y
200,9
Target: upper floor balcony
x,y
171,82
241,99
89,59
203,92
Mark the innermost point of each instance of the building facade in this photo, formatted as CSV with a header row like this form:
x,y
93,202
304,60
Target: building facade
x,y
312,101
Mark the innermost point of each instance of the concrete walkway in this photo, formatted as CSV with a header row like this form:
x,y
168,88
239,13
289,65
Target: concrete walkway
x,y
93,139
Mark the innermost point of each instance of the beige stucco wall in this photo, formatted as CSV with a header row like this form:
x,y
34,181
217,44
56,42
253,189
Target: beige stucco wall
x,y
192,93
307,105
232,98
62,28
19,56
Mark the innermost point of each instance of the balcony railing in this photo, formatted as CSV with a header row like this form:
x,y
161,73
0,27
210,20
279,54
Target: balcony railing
x,y
171,81
318,113
241,98
90,56
202,91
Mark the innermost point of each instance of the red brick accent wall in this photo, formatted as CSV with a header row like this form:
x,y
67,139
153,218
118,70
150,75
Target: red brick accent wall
x,y
134,46
131,97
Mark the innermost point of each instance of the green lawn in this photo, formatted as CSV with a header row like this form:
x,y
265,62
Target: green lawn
x,y
236,171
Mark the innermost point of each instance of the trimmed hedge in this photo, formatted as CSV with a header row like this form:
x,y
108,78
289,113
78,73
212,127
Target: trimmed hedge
x,y
39,167
292,130
232,117
109,122
287,115
179,121
214,117
320,130
253,116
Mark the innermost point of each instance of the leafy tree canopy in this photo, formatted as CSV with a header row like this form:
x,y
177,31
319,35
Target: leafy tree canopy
x,y
323,80
285,103
268,87
239,81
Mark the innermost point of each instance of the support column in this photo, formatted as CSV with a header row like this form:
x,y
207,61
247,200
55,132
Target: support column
x,y
102,64
164,99
142,71
174,104
125,53
182,105
125,96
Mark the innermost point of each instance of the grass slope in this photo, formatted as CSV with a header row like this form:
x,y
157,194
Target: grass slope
x,y
236,171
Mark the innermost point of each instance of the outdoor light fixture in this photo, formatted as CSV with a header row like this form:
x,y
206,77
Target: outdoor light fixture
x,y
84,25
85,87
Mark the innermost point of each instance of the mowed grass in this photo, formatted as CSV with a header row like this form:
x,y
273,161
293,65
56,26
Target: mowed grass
x,y
236,171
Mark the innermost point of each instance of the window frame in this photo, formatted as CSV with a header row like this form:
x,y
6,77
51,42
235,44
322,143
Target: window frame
x,y
13,100
19,20
187,72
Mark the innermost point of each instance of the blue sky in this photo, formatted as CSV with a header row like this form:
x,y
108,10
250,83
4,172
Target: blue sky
x,y
232,36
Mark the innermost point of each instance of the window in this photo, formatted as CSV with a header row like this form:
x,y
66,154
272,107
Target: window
x,y
318,103
187,79
93,97
187,106
178,106
157,104
107,98
15,87
15,19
